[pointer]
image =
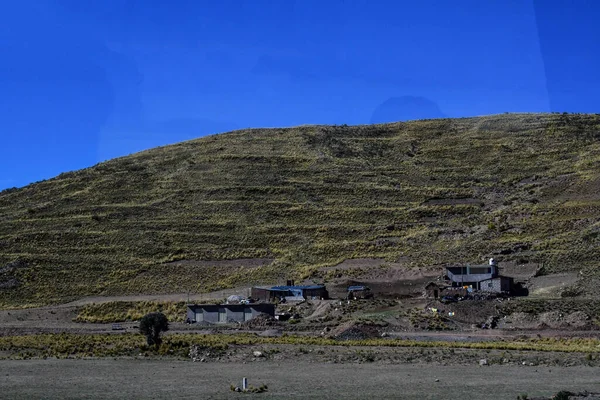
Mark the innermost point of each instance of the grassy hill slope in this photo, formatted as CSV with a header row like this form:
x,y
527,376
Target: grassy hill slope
x,y
523,186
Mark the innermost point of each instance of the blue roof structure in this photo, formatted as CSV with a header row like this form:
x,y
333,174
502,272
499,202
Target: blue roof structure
x,y
312,291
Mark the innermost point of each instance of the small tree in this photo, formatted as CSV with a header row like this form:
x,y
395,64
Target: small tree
x,y
152,325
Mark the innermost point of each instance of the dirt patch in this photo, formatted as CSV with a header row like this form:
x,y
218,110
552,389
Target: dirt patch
x,y
520,320
355,331
392,280
578,190
551,285
452,202
468,312
321,308
242,262
578,320
378,266
374,269
34,317
356,263
519,271
175,297
553,319
261,321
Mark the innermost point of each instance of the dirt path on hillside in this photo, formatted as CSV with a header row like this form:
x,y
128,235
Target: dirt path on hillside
x,y
175,297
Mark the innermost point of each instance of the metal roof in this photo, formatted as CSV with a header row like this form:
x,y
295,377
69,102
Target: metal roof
x,y
361,287
300,287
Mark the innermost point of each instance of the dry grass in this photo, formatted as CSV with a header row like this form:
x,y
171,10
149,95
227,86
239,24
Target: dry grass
x,y
112,345
309,196
121,311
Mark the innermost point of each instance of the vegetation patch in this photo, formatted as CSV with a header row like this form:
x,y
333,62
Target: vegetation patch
x,y
122,311
134,345
447,191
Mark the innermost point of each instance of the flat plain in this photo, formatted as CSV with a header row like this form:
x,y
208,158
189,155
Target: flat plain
x,y
290,379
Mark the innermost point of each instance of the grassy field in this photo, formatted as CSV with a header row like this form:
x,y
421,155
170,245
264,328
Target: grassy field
x,y
121,311
522,187
178,344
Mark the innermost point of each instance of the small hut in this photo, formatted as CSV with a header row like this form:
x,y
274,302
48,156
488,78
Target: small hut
x,y
433,290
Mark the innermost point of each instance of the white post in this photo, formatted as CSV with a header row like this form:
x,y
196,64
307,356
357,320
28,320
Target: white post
x,y
244,383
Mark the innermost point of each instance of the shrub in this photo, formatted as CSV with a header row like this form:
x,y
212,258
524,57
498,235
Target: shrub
x,y
152,325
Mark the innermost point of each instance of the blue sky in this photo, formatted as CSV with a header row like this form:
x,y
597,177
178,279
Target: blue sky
x,y
82,82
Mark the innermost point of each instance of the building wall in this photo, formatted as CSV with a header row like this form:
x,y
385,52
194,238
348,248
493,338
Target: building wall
x,y
471,274
260,294
491,285
315,294
433,292
256,312
506,284
211,316
191,315
460,279
236,315
497,285
226,313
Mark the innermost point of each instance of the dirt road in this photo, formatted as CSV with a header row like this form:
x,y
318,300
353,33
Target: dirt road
x,y
156,379
58,319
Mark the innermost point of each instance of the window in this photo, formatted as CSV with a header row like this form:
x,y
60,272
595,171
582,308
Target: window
x,y
490,284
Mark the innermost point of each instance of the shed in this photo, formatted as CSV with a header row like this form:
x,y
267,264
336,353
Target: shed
x,y
308,292
261,293
224,313
359,292
432,290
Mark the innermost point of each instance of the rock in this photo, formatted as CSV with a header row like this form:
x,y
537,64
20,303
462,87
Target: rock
x,y
202,359
258,354
578,319
483,361
437,380
492,322
270,333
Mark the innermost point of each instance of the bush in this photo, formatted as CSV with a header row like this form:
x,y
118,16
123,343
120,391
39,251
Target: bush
x,y
152,325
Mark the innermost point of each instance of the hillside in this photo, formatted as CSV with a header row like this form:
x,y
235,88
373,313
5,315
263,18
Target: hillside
x,y
259,205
